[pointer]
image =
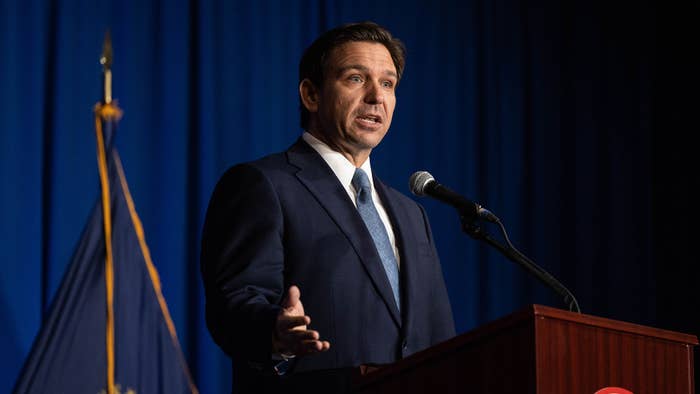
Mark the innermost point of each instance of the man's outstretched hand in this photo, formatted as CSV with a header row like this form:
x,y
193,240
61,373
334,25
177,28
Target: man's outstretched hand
x,y
291,336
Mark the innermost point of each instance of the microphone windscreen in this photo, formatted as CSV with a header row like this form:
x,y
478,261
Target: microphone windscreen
x,y
418,181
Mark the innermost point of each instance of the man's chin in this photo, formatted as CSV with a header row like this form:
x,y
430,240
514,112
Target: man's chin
x,y
369,138
367,142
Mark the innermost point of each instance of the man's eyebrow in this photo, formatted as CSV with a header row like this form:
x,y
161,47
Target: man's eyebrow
x,y
362,68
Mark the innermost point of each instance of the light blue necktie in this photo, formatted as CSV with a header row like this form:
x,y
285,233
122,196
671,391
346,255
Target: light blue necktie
x,y
376,228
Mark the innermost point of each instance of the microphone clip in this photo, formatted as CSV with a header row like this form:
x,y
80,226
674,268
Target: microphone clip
x,y
471,224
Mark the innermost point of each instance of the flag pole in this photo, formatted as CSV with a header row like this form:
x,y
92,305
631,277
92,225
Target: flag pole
x,y
107,111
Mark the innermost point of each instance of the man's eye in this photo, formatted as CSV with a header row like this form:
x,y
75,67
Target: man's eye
x,y
388,84
355,78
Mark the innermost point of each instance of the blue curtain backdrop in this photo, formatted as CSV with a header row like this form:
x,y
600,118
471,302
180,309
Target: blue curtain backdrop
x,y
571,121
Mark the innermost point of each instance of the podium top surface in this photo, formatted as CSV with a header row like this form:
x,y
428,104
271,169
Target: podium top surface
x,y
540,311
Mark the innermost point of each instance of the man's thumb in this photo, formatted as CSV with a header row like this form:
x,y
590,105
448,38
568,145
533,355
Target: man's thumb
x,y
292,297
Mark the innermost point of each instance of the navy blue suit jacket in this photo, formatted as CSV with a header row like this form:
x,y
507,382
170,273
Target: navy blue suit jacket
x,y
286,220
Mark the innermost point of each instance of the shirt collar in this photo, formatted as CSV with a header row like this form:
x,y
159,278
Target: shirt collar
x,y
343,169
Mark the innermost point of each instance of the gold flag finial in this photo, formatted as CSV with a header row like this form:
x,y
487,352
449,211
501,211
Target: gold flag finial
x,y
107,109
106,61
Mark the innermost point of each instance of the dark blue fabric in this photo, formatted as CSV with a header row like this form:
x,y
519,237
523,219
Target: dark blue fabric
x,y
69,354
572,121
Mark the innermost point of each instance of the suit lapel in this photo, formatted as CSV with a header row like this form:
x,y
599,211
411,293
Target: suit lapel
x,y
322,183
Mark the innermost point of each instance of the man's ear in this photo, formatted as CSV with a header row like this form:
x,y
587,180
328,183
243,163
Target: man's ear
x,y
309,95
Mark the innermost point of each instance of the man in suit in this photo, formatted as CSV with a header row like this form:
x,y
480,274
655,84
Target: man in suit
x,y
311,265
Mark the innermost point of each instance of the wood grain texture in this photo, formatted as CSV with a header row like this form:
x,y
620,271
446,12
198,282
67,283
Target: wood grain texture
x,y
544,350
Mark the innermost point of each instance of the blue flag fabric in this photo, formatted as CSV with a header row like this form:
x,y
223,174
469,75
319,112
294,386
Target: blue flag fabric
x,y
108,329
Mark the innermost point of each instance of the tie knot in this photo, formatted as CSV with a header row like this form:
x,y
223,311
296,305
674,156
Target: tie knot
x,y
360,181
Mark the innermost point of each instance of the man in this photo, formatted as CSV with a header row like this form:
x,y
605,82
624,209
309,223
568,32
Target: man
x,y
305,259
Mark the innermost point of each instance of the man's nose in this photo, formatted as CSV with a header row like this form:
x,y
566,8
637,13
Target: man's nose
x,y
374,94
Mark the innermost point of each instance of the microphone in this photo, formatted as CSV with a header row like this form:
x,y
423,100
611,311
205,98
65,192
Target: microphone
x,y
422,183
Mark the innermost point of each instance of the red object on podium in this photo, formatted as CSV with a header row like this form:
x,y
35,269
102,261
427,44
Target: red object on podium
x,y
544,350
613,390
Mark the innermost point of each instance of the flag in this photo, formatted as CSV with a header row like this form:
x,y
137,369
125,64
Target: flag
x,y
108,330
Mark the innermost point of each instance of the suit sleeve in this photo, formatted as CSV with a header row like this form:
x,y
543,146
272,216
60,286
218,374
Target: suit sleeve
x,y
242,261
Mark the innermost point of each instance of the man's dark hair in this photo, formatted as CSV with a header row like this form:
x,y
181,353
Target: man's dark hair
x,y
313,62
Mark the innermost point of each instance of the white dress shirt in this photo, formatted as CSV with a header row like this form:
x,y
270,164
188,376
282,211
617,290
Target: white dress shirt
x,y
344,170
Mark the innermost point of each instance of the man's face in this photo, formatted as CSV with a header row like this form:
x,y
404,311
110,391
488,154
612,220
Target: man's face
x,y
356,102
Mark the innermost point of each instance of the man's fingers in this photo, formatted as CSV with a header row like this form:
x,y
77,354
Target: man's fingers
x,y
292,336
302,342
312,346
296,340
289,322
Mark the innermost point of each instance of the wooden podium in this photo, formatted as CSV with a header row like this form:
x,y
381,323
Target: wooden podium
x,y
544,350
